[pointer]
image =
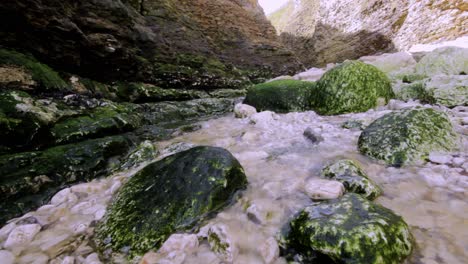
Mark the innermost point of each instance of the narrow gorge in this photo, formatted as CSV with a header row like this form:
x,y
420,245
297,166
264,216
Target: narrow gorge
x,y
212,131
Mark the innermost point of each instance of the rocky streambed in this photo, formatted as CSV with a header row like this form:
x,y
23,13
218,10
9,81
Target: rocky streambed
x,y
279,162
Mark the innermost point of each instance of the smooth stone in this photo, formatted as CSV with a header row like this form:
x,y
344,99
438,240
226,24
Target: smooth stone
x,y
5,231
68,260
456,162
34,258
244,110
6,257
61,196
92,259
22,235
319,189
269,250
440,158
180,242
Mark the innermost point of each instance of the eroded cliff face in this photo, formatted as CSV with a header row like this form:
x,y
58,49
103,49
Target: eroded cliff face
x,y
179,44
323,31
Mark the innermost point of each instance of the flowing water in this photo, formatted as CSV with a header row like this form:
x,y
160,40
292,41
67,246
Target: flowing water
x,y
278,159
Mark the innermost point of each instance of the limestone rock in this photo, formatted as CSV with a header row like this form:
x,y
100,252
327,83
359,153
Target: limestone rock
x,y
445,61
7,257
349,230
407,136
449,91
222,243
319,189
21,236
243,110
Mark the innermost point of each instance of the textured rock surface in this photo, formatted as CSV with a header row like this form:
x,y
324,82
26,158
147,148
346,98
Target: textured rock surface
x,y
353,178
352,86
170,195
349,230
169,43
407,136
325,31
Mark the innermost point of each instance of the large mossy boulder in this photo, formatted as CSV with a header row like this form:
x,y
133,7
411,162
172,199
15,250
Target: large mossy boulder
x,y
353,178
449,91
280,96
170,195
350,230
41,74
350,87
444,61
407,136
28,179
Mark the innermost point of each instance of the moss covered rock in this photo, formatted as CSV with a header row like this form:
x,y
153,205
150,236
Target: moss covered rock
x,y
27,179
408,135
413,91
349,230
42,74
280,96
444,61
170,195
448,90
353,178
352,86
99,122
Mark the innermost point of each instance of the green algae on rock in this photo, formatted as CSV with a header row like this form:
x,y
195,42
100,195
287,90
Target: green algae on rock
x,y
407,136
349,230
444,61
170,195
280,96
41,73
353,178
449,91
28,179
352,86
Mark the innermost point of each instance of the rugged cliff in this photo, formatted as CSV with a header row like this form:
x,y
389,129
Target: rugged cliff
x,y
196,44
323,31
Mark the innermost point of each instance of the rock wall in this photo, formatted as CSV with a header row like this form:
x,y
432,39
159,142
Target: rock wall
x,y
323,31
196,44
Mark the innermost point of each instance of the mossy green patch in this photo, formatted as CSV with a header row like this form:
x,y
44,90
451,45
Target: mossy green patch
x,y
46,77
280,96
408,135
349,230
352,86
353,178
168,196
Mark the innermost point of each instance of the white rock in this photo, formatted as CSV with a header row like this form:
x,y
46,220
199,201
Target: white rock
x,y
465,166
99,214
34,258
92,259
115,187
68,260
22,235
264,118
243,110
222,243
269,250
440,158
264,211
456,162
323,189
61,197
312,74
179,242
433,178
252,155
6,257
5,231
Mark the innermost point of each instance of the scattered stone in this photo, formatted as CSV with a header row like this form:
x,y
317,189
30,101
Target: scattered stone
x,y
356,231
407,136
221,242
34,258
319,189
6,257
312,136
440,158
21,236
263,119
456,162
243,110
68,260
179,242
353,178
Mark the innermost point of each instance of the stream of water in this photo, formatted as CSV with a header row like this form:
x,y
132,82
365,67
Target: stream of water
x,y
278,159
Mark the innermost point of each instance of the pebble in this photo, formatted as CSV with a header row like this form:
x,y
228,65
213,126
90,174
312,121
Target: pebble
x,y
323,189
22,235
458,161
68,260
6,257
440,158
243,110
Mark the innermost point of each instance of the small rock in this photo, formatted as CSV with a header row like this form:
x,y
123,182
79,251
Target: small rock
x,y
22,235
263,119
263,211
456,162
176,257
27,221
312,136
440,158
221,242
269,250
68,260
99,214
243,110
61,196
5,231
34,258
323,189
179,242
92,259
6,257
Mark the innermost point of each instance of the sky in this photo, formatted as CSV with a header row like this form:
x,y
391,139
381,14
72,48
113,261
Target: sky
x,y
271,5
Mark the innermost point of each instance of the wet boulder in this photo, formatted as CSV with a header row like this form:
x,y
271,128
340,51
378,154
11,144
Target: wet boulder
x,y
449,91
28,179
349,230
353,178
350,87
280,96
170,195
407,136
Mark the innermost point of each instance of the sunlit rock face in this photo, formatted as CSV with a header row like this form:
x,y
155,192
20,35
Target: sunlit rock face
x,y
323,31
176,44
